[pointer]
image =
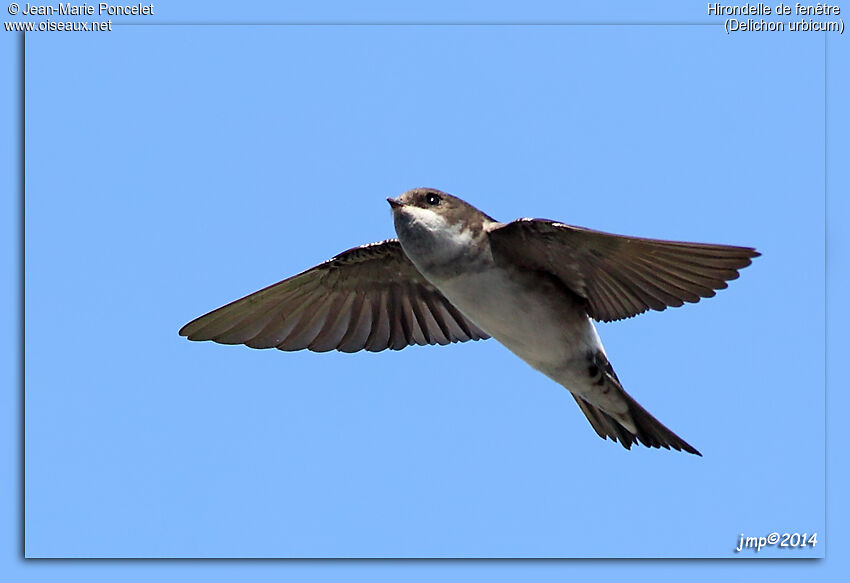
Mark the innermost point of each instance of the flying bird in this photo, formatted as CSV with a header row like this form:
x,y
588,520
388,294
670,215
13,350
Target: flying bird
x,y
456,274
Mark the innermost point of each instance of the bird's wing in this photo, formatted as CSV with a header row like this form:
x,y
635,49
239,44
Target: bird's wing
x,y
619,276
370,297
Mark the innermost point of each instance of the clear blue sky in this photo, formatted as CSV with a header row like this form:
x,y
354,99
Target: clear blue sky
x,y
172,169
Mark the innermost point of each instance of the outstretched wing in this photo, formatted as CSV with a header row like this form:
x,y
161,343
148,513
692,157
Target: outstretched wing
x,y
370,297
621,276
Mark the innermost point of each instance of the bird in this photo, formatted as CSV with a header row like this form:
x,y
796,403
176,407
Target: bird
x,y
455,274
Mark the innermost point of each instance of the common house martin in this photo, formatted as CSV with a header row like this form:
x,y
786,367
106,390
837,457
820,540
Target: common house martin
x,y
456,274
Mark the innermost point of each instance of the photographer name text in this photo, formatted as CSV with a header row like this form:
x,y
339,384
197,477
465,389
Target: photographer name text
x,y
100,9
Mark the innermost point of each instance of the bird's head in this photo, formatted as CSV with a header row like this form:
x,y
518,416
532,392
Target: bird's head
x,y
435,227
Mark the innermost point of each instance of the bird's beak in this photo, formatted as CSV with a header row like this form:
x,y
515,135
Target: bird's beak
x,y
395,203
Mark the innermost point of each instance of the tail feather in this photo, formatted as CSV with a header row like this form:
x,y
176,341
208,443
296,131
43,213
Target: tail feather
x,y
649,430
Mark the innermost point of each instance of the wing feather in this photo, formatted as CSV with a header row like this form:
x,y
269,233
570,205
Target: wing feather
x,y
369,297
620,276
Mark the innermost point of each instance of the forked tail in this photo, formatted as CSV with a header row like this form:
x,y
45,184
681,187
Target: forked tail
x,y
650,431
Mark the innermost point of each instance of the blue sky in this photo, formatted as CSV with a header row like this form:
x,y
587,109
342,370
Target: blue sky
x,y
172,169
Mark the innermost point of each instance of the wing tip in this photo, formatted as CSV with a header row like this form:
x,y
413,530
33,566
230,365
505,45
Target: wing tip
x,y
190,332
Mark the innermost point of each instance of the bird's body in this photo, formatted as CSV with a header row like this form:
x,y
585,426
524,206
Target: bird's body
x,y
542,323
456,274
533,316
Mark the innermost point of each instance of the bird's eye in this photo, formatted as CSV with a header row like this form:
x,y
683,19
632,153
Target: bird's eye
x,y
432,199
